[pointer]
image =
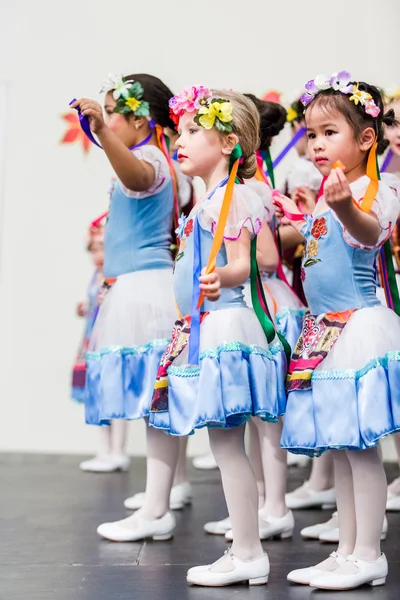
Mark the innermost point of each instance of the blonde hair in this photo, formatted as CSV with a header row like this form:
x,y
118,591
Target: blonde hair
x,y
246,125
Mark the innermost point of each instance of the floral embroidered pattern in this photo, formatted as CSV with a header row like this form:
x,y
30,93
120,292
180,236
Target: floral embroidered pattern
x,y
188,228
319,228
312,249
184,230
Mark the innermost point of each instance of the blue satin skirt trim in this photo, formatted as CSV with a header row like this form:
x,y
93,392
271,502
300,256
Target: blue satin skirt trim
x,y
289,323
78,394
345,409
120,382
232,383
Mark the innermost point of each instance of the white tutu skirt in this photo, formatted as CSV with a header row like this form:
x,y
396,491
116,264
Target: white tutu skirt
x,y
239,375
130,335
355,396
286,310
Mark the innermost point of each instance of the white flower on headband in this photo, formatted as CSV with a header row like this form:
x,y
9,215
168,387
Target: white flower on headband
x,y
117,85
322,82
341,82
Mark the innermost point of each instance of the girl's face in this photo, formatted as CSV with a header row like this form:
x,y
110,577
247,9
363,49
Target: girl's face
x,y
199,149
331,138
97,251
301,145
392,133
125,129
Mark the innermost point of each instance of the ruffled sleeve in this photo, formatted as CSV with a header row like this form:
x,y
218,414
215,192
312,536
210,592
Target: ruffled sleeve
x,y
386,207
246,211
153,156
265,193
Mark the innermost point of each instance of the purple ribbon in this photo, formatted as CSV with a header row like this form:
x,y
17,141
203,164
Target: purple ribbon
x,y
85,125
387,160
290,145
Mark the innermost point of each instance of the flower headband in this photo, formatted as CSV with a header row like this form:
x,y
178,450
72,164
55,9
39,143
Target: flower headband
x,y
128,95
211,111
340,82
292,113
392,93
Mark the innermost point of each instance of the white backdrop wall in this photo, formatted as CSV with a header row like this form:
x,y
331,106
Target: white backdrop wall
x,y
52,51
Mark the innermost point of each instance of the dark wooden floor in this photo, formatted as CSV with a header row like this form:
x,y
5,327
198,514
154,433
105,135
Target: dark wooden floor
x,y
49,548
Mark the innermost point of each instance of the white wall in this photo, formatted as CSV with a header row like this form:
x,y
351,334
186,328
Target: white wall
x,y
52,51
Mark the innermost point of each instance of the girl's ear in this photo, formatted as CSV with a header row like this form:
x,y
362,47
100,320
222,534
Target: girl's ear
x,y
228,143
138,122
367,139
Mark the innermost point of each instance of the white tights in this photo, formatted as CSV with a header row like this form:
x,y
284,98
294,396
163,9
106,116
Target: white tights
x,y
269,462
113,438
361,500
240,489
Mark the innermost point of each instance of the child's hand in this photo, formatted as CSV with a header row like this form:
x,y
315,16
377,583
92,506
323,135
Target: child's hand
x,y
304,197
337,190
92,110
81,309
210,285
283,204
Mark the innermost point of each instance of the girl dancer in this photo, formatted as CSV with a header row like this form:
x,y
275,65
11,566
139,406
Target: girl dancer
x,y
344,373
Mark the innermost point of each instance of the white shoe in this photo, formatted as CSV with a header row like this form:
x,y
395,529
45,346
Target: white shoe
x,y
218,527
393,500
205,463
314,531
106,463
270,527
181,495
136,528
304,576
297,460
332,535
371,572
233,570
305,497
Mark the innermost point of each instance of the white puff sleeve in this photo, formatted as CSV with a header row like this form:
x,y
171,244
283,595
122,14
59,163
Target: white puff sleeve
x,y
386,207
155,157
246,211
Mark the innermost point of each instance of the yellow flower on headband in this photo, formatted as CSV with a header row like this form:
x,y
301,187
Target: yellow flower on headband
x,y
133,103
291,115
359,96
215,110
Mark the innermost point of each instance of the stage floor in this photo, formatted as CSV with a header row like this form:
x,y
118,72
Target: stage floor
x,y
49,548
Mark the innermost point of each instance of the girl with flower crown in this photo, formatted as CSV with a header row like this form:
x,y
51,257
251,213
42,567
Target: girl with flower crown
x,y
268,460
219,368
133,325
87,310
344,374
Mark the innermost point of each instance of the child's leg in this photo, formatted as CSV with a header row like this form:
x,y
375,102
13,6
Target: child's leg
x,y
240,490
105,441
322,473
274,463
370,493
118,429
394,487
181,475
255,460
345,502
162,457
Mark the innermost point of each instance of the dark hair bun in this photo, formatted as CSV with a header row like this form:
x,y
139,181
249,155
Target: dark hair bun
x,y
272,119
158,95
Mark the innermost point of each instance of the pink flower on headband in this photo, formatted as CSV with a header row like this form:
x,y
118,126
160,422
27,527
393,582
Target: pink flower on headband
x,y
188,99
372,109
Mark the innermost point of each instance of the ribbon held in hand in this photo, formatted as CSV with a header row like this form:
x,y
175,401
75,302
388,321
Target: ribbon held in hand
x,y
223,216
84,122
291,216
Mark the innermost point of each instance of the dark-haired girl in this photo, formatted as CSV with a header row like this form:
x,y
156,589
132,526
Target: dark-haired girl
x,y
134,322
344,376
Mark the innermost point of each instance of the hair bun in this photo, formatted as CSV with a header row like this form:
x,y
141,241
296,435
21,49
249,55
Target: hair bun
x,y
389,118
